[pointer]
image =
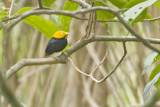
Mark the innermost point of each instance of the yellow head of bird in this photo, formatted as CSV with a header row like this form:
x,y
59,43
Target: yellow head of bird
x,y
60,34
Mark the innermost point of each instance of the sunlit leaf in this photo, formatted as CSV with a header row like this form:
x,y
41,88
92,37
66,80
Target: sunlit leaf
x,y
103,15
24,9
65,20
132,3
149,86
131,14
157,4
48,3
118,3
46,27
153,74
156,58
3,14
148,61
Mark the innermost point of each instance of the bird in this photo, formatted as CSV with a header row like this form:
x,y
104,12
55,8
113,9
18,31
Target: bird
x,y
57,43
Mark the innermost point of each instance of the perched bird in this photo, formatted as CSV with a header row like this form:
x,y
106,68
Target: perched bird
x,y
57,43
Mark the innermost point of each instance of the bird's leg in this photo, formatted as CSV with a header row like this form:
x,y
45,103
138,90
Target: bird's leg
x,y
56,58
64,53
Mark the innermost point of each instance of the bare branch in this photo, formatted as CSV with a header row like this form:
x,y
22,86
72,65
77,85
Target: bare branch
x,y
10,11
62,58
82,3
29,62
61,12
89,75
7,93
82,11
125,52
154,19
145,42
40,4
78,68
99,64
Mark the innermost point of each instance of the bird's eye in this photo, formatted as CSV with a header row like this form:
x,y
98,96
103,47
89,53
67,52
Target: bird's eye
x,y
61,33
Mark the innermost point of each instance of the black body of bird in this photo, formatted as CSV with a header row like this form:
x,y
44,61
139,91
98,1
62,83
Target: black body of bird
x,y
55,45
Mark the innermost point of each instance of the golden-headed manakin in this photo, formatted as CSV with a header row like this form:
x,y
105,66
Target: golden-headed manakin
x,y
57,43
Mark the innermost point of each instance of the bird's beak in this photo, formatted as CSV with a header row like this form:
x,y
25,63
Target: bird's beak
x,y
67,33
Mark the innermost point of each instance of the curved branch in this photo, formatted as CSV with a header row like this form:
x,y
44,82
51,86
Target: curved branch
x,y
82,11
120,61
8,93
60,12
145,42
62,58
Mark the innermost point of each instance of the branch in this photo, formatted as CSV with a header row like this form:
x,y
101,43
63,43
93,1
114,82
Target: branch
x,y
154,19
120,61
10,11
145,42
60,12
7,93
103,79
40,4
78,68
82,3
91,74
62,58
82,11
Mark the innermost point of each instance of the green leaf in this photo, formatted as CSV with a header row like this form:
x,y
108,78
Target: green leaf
x,y
24,9
118,3
157,4
48,3
65,20
148,16
131,14
148,61
154,73
44,26
150,85
132,3
3,14
103,15
156,58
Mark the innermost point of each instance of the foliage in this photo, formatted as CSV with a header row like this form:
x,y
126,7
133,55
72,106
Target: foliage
x,y
153,81
136,12
46,27
48,3
3,14
65,20
103,15
149,61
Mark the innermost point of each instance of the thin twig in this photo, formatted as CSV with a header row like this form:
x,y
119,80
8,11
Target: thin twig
x,y
89,75
78,68
10,11
149,20
40,4
82,3
99,63
103,79
125,52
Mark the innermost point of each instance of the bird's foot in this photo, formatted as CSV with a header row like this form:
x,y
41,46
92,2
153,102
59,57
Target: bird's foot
x,y
64,53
